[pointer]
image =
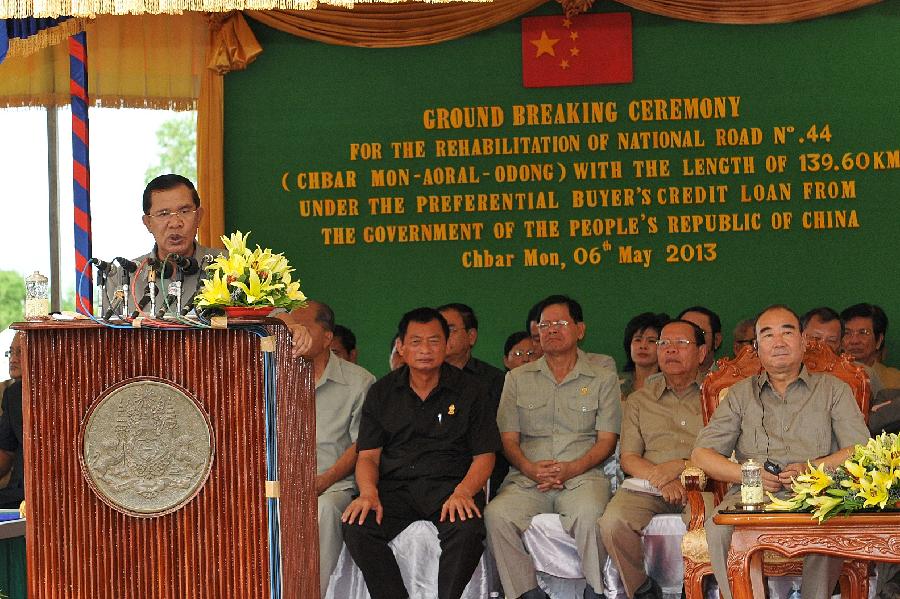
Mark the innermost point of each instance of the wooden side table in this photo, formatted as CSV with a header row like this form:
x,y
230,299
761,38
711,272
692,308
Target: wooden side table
x,y
865,536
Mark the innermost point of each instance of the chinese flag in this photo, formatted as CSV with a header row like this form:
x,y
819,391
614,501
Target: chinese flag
x,y
586,50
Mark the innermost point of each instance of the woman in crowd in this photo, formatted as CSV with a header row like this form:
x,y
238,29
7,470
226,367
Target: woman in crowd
x,y
641,334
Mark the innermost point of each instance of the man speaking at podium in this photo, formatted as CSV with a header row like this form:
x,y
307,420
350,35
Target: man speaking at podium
x,y
172,213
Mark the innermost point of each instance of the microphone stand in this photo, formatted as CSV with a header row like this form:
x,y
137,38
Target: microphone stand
x,y
152,287
101,289
126,267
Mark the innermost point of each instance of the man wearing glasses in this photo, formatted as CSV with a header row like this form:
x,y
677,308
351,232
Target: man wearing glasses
x,y
559,420
711,325
783,417
172,213
463,335
659,426
865,327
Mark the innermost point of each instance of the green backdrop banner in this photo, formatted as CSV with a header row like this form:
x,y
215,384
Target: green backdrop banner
x,y
742,166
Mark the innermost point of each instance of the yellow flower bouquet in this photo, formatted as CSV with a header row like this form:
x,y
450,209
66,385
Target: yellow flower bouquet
x,y
869,480
251,278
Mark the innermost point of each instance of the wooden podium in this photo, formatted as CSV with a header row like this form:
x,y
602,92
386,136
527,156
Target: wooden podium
x,y
219,543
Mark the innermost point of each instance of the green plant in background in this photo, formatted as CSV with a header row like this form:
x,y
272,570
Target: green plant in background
x,y
12,297
177,139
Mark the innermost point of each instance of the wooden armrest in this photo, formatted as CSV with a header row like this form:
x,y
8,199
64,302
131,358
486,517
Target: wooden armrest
x,y
694,480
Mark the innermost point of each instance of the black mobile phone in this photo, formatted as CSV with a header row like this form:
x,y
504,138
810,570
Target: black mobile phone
x,y
772,468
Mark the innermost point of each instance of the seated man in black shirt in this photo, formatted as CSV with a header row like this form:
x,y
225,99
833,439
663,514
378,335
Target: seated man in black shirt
x,y
426,443
12,495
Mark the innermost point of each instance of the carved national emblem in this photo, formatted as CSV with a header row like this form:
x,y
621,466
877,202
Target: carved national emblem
x,y
147,448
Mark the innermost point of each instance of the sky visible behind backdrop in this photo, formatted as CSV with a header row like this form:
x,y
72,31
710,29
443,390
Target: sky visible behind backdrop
x,y
123,146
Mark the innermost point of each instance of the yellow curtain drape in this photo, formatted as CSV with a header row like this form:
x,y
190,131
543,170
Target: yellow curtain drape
x,y
392,25
135,62
45,38
232,46
746,12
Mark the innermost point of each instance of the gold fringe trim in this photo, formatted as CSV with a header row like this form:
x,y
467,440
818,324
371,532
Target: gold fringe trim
x,y
176,104
17,9
59,100
46,38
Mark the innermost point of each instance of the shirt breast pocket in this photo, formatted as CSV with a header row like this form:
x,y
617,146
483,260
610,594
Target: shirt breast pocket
x,y
817,429
534,415
583,408
753,441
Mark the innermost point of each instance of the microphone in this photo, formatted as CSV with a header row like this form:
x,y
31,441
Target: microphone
x,y
104,267
127,265
187,264
114,306
103,271
205,261
143,303
152,270
152,287
171,299
160,268
189,304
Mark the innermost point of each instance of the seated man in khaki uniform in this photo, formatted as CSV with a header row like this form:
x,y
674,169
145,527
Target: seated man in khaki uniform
x,y
559,418
789,416
659,426
865,327
340,391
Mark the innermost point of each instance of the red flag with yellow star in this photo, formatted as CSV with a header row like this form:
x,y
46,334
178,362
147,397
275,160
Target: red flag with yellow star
x,y
588,49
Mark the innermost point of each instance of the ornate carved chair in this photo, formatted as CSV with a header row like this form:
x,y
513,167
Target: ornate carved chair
x,y
854,579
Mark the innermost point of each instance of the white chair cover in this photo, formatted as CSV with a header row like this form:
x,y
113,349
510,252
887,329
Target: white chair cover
x,y
556,559
417,550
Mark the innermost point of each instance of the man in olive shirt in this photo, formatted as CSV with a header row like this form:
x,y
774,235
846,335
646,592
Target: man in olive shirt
x,y
172,213
427,439
659,426
865,327
787,415
340,390
559,419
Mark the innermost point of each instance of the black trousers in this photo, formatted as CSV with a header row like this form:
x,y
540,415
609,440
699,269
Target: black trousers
x,y
462,543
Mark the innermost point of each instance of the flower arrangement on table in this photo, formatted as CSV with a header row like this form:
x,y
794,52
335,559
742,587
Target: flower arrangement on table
x,y
868,480
249,278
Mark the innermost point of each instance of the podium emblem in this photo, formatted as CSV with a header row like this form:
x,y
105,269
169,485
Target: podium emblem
x,y
147,447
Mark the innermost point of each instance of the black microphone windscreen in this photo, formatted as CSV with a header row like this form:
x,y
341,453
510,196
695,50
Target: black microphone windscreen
x,y
164,269
101,265
187,264
127,265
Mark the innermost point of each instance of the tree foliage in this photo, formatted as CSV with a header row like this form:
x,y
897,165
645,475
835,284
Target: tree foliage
x,y
12,298
177,139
